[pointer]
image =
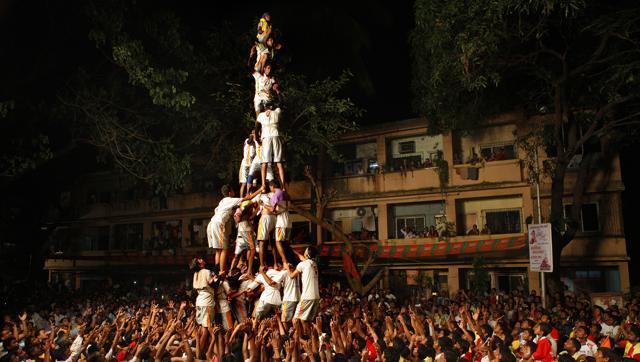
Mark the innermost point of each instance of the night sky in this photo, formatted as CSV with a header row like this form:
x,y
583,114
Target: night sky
x,y
42,44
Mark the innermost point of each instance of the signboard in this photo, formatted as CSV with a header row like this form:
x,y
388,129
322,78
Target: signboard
x,y
540,248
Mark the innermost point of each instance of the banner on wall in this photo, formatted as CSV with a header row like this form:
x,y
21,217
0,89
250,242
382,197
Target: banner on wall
x,y
540,248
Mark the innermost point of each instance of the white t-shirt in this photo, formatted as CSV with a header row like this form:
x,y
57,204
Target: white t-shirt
x,y
245,285
225,208
205,296
269,122
248,153
271,294
266,200
263,86
221,296
290,291
589,349
609,331
309,275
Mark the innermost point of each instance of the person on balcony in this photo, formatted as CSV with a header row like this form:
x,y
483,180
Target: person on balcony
x,y
485,230
474,230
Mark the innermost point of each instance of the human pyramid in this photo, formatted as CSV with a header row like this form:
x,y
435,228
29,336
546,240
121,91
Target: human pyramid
x,y
226,292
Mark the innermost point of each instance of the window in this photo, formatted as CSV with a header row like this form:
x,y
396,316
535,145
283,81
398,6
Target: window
x,y
166,234
498,152
414,224
95,238
405,163
506,221
412,152
198,231
588,220
127,237
591,279
358,159
407,147
359,223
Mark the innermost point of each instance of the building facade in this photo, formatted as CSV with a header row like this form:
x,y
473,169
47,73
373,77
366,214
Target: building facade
x,y
428,206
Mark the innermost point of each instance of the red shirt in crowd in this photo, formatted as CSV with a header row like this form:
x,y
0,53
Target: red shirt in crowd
x,y
544,352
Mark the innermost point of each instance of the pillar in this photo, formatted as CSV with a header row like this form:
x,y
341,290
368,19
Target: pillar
x,y
534,281
453,279
383,232
623,270
447,150
381,150
77,282
385,278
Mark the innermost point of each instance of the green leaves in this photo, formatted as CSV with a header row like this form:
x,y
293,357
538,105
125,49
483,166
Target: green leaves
x,y
169,106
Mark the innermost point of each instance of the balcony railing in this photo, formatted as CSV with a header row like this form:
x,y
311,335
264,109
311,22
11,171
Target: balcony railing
x,y
429,248
491,171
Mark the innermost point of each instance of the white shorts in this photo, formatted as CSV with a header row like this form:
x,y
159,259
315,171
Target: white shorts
x,y
243,173
265,226
307,309
263,309
205,316
288,310
226,318
257,101
245,240
282,234
272,150
218,235
255,171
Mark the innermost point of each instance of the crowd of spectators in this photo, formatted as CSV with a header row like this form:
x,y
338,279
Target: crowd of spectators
x,y
139,323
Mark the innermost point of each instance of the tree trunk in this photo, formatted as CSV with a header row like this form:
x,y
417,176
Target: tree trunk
x,y
354,283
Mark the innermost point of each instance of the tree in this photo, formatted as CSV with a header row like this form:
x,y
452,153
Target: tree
x,y
167,101
353,274
164,106
571,65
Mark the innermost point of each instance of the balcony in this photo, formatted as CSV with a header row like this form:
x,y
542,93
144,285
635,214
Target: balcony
x,y
119,259
418,179
487,172
191,201
425,249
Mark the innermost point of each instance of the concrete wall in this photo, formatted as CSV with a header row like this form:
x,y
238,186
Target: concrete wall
x,y
426,146
486,136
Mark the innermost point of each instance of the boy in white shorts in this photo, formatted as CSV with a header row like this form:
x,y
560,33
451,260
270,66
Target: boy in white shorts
x,y
248,154
266,225
290,298
310,297
256,165
218,231
279,205
223,309
204,283
270,298
265,84
245,240
272,148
